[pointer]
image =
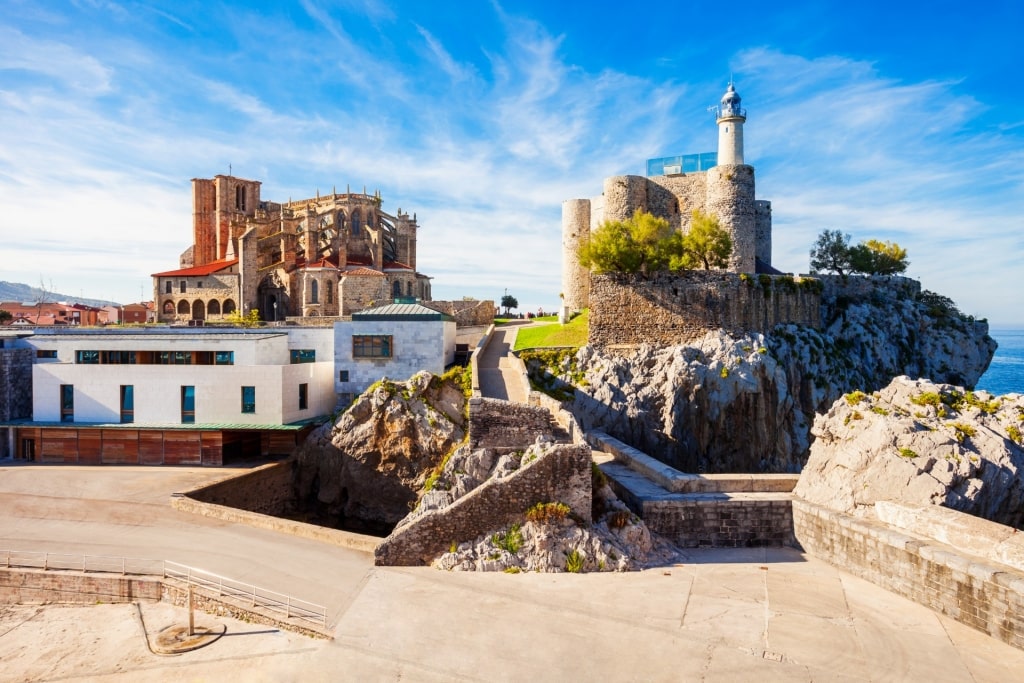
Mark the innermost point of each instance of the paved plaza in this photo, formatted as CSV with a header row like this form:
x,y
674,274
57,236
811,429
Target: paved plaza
x,y
720,615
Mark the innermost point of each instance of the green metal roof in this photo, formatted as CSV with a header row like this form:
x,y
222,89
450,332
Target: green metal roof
x,y
402,312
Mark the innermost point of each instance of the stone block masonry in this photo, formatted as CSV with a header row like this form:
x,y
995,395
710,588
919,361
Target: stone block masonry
x,y
975,591
18,586
15,388
466,313
558,475
666,309
506,426
722,520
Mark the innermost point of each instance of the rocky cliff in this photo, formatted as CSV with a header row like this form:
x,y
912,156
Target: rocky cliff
x,y
920,443
746,403
367,470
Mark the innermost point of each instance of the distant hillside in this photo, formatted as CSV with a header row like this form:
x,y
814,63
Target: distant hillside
x,y
16,291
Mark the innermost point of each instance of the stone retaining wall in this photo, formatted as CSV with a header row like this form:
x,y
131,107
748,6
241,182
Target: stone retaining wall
x,y
975,591
265,490
225,607
23,586
718,520
506,426
562,474
673,308
466,313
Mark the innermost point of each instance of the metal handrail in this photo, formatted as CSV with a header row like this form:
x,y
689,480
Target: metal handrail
x,y
292,608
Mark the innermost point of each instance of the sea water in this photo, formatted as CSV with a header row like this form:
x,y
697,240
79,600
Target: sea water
x,y
1006,373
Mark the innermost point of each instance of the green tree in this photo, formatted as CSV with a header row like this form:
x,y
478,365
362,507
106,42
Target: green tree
x,y
508,301
874,257
640,244
5,316
705,245
831,253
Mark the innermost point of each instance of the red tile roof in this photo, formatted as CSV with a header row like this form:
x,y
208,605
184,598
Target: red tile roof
x,y
396,265
207,269
363,272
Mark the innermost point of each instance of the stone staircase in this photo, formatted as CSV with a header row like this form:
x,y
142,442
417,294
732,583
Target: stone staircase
x,y
720,511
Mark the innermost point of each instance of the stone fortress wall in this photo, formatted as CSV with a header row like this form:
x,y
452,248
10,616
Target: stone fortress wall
x,y
674,308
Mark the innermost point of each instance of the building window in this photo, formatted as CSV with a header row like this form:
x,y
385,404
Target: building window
x,y
188,405
303,396
168,286
371,346
118,357
396,289
225,358
182,286
67,403
174,358
87,357
314,292
240,198
303,356
168,306
330,292
127,403
46,353
343,376
248,399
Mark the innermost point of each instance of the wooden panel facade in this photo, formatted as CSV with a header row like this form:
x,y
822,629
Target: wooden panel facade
x,y
93,446
151,448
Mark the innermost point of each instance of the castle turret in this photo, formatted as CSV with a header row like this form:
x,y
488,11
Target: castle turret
x,y
730,129
575,231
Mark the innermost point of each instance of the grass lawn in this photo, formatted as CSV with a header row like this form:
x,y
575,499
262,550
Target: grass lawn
x,y
574,333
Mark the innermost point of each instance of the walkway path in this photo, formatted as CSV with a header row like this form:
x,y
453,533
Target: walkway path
x,y
723,615
499,378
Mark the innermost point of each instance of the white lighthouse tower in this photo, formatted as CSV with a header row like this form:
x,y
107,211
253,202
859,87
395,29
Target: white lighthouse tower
x,y
730,128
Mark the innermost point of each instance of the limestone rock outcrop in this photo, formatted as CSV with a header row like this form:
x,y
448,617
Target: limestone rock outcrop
x,y
368,469
545,509
920,443
746,403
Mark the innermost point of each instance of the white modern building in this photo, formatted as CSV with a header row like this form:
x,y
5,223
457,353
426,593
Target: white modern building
x,y
394,341
181,396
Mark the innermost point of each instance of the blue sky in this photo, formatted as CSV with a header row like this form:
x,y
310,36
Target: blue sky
x,y
482,117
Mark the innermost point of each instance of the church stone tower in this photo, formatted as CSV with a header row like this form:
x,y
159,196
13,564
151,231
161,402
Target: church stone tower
x,y
730,129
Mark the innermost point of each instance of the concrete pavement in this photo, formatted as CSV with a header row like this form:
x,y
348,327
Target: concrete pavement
x,y
721,615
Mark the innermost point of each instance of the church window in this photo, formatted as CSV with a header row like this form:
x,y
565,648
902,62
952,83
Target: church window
x,y
330,292
181,285
168,308
167,287
240,198
396,289
357,223
314,292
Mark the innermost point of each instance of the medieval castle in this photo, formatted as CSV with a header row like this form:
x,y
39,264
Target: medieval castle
x,y
326,256
673,192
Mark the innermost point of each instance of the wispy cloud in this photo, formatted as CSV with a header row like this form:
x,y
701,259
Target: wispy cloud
x,y
483,143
